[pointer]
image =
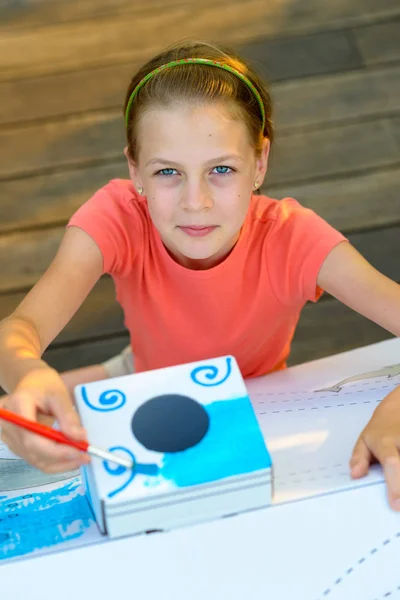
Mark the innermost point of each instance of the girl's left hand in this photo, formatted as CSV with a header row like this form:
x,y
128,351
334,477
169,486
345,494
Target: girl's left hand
x,y
380,440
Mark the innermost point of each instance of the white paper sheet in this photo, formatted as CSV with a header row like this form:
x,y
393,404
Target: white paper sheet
x,y
343,546
310,433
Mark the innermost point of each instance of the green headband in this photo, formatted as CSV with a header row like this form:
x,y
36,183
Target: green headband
x,y
200,61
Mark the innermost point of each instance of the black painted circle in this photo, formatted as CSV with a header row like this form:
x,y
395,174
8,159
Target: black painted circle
x,y
170,423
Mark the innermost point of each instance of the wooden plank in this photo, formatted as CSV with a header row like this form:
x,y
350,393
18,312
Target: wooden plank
x,y
365,201
395,131
24,257
32,13
381,248
298,14
70,142
64,93
85,353
296,157
379,42
325,52
328,328
75,45
333,151
336,98
53,198
69,46
99,316
351,203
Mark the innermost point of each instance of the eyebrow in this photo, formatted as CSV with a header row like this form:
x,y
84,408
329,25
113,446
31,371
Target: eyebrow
x,y
217,159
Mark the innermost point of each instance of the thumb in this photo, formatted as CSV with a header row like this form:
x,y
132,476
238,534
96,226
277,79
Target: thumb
x,y
360,459
67,417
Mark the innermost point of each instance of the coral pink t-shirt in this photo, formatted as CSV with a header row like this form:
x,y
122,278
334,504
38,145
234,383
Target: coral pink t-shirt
x,y
247,306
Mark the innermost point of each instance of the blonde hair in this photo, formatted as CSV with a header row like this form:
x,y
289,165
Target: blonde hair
x,y
200,83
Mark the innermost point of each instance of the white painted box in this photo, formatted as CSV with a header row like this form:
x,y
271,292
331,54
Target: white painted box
x,y
192,433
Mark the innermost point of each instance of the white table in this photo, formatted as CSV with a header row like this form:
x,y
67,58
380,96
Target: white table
x,y
338,546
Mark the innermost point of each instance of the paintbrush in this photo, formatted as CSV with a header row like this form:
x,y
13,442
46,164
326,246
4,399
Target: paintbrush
x,y
57,436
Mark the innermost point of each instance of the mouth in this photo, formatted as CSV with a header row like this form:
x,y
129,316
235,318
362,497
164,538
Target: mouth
x,y
197,230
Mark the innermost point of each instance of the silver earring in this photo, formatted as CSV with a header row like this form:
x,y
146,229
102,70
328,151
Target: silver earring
x,y
140,190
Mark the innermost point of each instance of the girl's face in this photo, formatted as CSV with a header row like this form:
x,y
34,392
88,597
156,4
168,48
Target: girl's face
x,y
197,169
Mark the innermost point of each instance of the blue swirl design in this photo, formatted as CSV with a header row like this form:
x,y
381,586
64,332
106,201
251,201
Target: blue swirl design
x,y
117,470
211,374
109,400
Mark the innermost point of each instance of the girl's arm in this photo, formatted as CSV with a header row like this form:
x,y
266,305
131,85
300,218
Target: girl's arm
x,y
346,275
34,388
83,375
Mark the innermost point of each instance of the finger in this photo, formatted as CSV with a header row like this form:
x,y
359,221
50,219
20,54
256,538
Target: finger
x,y
360,459
38,447
66,415
64,467
33,448
24,443
12,434
41,452
391,469
387,453
23,403
392,476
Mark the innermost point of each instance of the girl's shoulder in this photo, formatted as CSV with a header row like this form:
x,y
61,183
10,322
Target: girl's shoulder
x,y
118,196
116,206
116,218
264,210
285,222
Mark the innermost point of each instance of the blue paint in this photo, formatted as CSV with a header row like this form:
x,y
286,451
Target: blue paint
x,y
151,470
117,470
234,445
109,400
42,520
212,374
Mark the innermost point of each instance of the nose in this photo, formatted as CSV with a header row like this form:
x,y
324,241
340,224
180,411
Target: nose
x,y
196,196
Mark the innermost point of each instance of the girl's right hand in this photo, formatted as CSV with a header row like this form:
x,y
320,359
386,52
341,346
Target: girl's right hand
x,y
42,396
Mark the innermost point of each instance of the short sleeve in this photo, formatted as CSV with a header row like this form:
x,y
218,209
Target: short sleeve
x,y
298,244
119,365
109,217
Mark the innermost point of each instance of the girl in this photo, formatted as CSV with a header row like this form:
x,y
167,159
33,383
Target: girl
x,y
202,265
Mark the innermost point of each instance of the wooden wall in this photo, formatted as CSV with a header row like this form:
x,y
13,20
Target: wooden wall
x,y
334,67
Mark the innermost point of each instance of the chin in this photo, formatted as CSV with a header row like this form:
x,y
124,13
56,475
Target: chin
x,y
198,253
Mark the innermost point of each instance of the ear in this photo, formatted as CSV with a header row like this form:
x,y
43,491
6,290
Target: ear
x,y
262,162
133,170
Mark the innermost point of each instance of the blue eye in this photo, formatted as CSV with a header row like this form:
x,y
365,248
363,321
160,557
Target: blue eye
x,y
166,172
221,170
